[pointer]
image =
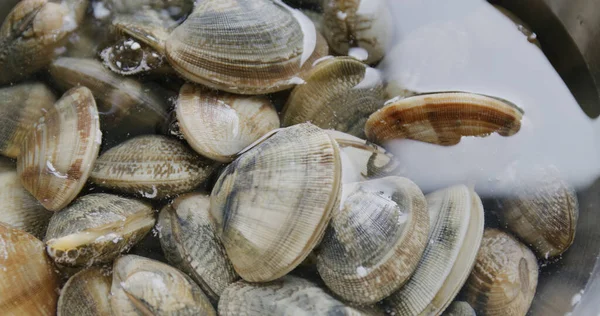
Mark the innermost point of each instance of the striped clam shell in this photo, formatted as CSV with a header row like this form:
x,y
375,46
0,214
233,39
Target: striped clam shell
x,y
86,293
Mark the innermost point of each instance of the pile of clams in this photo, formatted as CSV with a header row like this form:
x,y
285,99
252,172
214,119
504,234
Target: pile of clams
x,y
248,140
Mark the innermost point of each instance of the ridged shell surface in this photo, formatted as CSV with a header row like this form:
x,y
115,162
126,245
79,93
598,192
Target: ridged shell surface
x,y
219,125
86,293
271,205
189,242
59,151
374,242
459,308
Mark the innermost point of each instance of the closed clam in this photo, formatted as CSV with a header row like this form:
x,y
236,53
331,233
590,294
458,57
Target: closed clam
x,y
189,242
272,204
219,125
20,107
86,294
244,46
340,93
374,242
443,118
504,278
360,28
96,228
145,286
58,152
28,282
459,308
456,221
151,166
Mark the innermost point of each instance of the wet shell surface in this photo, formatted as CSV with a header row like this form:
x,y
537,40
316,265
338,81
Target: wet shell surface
x,y
219,125
340,93
244,46
459,308
456,221
96,228
86,294
443,118
58,152
145,286
271,205
20,107
374,242
28,282
151,166
505,276
189,242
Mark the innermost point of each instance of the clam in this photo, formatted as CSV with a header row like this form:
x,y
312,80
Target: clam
x,y
189,242
219,125
456,221
244,46
175,8
504,278
86,294
58,152
272,204
360,28
20,107
340,93
28,282
149,287
443,118
374,242
151,166
96,228
289,295
459,308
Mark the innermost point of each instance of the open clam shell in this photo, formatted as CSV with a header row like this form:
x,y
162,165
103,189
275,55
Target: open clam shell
x,y
219,125
271,205
340,93
189,242
58,152
456,216
374,242
97,228
86,293
145,286
443,118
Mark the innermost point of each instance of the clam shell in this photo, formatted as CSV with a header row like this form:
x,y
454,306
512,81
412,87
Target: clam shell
x,y
374,242
244,46
458,308
189,242
456,221
58,152
443,118
20,107
176,8
219,125
86,294
144,286
271,205
340,93
151,166
504,278
96,228
28,282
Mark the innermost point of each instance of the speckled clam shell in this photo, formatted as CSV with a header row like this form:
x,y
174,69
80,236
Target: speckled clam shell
x,y
86,293
504,278
456,221
219,125
289,295
20,107
145,286
189,243
443,118
28,282
459,308
374,242
151,166
96,228
244,46
271,205
340,93
59,151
